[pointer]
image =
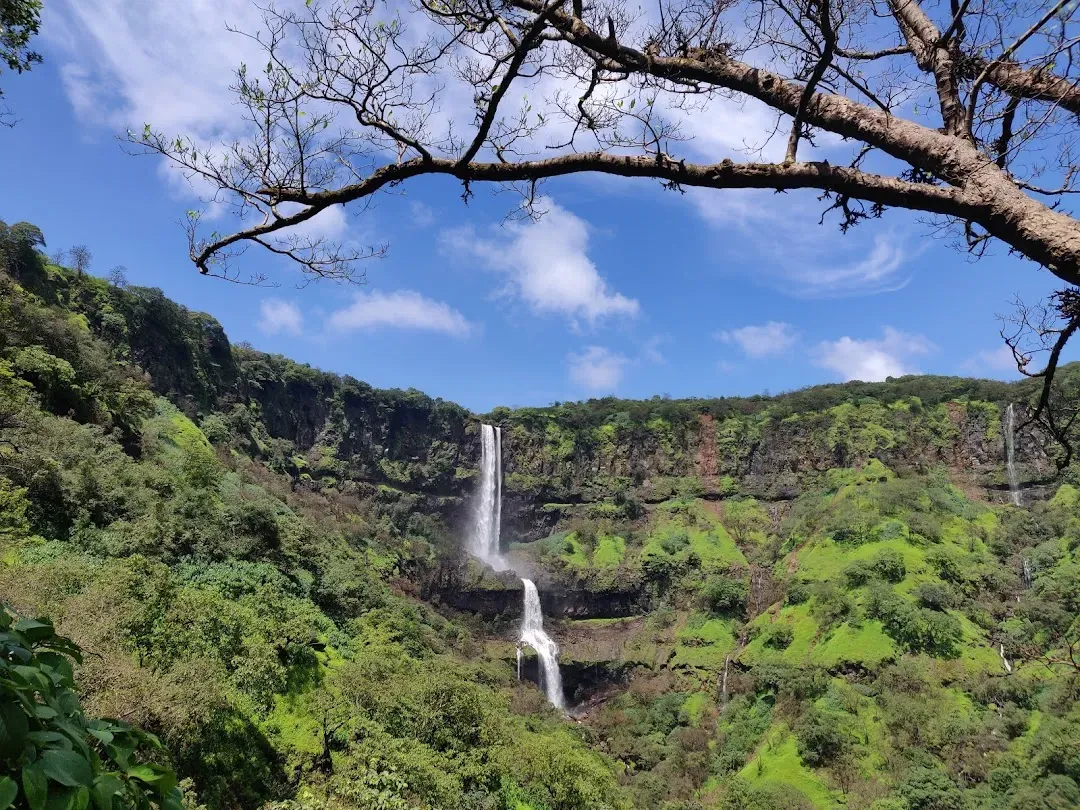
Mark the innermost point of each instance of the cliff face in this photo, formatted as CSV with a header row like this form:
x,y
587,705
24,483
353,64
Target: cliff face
x,y
601,458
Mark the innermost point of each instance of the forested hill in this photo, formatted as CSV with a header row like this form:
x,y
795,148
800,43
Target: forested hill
x,y
821,599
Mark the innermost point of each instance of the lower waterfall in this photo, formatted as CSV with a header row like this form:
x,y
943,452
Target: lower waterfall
x,y
533,635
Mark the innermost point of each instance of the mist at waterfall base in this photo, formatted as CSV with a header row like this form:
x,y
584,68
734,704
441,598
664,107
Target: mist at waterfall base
x,y
1010,451
485,545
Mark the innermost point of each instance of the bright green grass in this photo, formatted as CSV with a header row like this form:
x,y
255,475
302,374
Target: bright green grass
x,y
865,643
798,618
609,551
975,651
177,431
594,623
574,555
703,643
1066,497
825,559
707,537
778,761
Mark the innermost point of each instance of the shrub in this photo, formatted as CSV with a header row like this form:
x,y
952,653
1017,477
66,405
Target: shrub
x,y
929,789
779,637
926,526
917,629
821,737
934,595
889,565
859,573
797,592
829,604
724,594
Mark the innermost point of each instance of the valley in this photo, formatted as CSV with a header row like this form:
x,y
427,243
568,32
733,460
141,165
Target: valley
x,y
313,591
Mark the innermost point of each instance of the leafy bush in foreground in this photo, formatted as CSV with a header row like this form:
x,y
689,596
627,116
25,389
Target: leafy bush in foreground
x,y
51,755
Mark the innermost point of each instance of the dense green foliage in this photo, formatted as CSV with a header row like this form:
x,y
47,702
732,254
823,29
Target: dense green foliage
x,y
817,600
50,754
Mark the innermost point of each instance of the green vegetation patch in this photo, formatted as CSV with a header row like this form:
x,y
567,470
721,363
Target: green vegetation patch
x,y
864,643
703,642
777,761
609,551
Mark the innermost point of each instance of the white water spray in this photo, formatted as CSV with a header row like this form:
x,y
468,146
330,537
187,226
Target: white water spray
x,y
487,527
532,634
1010,451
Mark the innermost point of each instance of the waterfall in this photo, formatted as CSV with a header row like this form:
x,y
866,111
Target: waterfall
x,y
488,516
485,544
1010,450
532,633
1004,660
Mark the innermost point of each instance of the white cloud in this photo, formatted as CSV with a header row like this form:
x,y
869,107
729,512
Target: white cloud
x,y
780,235
547,265
999,362
769,338
404,309
422,215
873,360
597,369
163,63
877,272
278,316
330,224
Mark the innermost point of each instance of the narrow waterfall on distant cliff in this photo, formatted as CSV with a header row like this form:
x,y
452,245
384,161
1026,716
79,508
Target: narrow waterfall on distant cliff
x,y
486,530
1010,449
532,634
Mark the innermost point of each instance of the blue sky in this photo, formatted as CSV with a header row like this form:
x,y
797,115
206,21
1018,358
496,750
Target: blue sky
x,y
621,288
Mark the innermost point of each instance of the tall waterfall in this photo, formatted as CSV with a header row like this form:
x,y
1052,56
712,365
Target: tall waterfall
x,y
486,529
532,634
1010,450
484,544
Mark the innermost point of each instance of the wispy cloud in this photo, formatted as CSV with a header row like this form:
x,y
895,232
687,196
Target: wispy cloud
x,y
547,265
167,64
651,352
766,339
799,256
422,215
404,309
277,316
873,360
996,362
596,369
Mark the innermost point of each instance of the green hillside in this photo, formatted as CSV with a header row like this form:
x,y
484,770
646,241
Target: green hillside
x,y
817,600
